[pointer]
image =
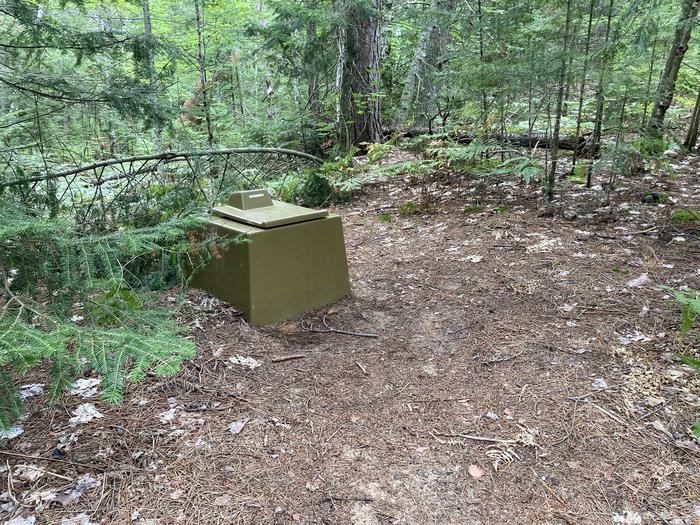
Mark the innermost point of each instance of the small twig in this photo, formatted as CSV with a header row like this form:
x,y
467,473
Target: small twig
x,y
473,438
586,400
573,426
550,489
361,368
503,360
648,230
618,236
10,484
287,358
330,329
55,460
652,412
331,498
44,471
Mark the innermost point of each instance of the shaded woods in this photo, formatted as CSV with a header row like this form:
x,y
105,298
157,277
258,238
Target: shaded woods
x,y
517,185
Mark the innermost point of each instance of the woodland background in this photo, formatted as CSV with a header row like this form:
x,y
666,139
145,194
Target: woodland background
x,y
538,89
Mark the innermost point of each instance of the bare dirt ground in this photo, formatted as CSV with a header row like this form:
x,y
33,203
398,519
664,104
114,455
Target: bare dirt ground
x,y
519,376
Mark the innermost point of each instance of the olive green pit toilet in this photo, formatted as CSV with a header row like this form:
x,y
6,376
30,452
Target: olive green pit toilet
x,y
292,259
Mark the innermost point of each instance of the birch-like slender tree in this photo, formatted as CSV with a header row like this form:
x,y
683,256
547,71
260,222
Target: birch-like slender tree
x,y
417,70
202,64
669,77
691,138
151,68
600,92
584,78
560,103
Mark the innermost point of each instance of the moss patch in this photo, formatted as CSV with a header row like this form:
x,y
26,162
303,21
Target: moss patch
x,y
408,209
684,217
471,210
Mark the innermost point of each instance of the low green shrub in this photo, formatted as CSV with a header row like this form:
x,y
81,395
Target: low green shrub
x,y
685,217
651,147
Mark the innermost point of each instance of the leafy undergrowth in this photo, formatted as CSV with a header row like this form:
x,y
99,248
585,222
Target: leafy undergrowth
x,y
526,370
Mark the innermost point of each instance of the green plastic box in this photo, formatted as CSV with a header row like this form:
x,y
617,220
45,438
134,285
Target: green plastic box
x,y
292,259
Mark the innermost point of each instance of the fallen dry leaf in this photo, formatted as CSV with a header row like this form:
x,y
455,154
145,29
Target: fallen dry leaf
x,y
237,426
475,471
85,413
223,500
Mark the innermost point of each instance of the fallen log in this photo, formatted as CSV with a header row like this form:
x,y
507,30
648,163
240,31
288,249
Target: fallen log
x,y
522,140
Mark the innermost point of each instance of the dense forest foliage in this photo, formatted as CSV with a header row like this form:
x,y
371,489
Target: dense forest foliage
x,y
568,86
90,80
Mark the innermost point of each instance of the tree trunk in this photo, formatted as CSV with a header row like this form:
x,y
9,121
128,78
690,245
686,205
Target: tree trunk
x,y
312,112
667,83
652,63
417,68
314,85
600,95
615,169
342,82
363,48
151,69
584,77
560,104
484,101
694,130
435,62
201,59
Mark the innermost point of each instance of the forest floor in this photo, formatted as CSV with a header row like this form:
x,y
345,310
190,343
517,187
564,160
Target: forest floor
x,y
524,372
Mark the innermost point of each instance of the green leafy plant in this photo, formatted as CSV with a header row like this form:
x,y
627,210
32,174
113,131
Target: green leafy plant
x,y
578,174
461,157
651,147
377,151
385,217
695,365
316,188
655,197
336,180
528,169
618,160
689,301
621,270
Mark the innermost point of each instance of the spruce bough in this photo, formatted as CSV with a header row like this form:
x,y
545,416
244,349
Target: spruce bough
x,y
77,302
